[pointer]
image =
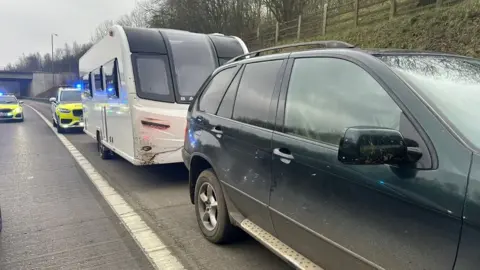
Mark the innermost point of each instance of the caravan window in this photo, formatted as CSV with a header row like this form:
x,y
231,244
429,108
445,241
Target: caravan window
x,y
98,79
111,82
153,77
194,61
86,84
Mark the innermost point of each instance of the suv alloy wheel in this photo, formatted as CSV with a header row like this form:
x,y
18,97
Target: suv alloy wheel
x,y
211,209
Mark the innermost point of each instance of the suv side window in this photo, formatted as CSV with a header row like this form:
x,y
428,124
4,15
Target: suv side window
x,y
255,92
327,95
215,90
226,107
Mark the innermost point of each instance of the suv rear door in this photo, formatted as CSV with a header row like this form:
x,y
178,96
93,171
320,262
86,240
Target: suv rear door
x,y
360,216
236,135
248,138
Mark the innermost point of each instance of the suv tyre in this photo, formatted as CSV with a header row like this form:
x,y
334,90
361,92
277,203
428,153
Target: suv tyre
x,y
211,209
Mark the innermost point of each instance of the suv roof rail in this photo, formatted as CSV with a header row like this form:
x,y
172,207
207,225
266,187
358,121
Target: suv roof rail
x,y
324,43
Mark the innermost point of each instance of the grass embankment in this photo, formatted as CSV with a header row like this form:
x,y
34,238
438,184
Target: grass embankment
x,y
454,29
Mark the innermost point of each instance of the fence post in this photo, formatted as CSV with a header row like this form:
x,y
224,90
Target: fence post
x,y
324,26
393,8
299,26
356,6
276,33
439,3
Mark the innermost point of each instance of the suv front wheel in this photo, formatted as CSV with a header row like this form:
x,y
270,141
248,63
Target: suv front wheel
x,y
211,209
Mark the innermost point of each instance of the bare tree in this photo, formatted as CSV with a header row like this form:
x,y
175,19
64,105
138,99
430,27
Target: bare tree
x,y
138,17
287,10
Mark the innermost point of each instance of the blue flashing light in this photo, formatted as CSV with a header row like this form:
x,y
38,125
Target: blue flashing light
x,y
1,94
79,86
110,89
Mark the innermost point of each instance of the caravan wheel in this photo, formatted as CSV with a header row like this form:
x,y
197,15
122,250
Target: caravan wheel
x,y
104,152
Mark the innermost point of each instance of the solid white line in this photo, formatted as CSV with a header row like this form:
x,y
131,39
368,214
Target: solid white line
x,y
153,248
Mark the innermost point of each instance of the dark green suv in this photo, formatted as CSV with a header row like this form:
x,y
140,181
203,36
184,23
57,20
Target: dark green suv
x,y
341,158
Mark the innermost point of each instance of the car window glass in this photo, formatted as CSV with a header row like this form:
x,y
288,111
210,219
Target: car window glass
x,y
449,84
255,92
71,96
215,90
8,99
326,96
226,107
152,73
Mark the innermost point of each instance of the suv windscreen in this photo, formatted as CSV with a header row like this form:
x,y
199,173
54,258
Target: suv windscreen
x,y
8,100
449,84
194,60
71,96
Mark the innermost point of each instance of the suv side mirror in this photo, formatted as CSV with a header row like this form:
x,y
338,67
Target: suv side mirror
x,y
52,100
20,102
374,146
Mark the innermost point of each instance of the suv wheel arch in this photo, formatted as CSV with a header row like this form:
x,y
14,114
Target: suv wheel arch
x,y
198,164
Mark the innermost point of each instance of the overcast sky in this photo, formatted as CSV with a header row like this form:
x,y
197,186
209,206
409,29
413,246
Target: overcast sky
x,y
26,25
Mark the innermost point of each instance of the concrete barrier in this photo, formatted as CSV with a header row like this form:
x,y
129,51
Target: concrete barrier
x,y
44,100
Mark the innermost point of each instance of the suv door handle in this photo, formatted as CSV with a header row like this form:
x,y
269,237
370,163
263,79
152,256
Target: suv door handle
x,y
281,153
217,130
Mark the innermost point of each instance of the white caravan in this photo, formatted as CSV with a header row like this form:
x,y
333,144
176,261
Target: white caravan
x,y
138,83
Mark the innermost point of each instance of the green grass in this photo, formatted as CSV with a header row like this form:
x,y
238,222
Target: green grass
x,y
454,29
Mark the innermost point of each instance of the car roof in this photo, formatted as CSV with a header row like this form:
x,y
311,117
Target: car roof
x,y
339,50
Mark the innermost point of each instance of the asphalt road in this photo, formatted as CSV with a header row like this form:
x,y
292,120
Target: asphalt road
x,y
53,217
160,195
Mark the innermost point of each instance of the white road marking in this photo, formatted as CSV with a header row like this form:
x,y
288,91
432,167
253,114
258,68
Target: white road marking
x,y
154,249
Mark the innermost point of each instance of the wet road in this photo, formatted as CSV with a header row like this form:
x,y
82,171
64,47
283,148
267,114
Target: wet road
x,y
160,195
52,215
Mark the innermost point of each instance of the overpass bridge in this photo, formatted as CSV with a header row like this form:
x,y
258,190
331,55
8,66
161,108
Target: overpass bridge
x,y
31,84
17,83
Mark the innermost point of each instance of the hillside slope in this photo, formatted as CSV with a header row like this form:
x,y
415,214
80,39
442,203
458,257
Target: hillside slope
x,y
451,29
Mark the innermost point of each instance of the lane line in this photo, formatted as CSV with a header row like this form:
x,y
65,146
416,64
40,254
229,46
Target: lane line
x,y
154,249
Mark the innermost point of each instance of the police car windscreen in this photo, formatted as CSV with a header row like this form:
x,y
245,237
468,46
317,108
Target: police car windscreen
x,y
71,96
7,99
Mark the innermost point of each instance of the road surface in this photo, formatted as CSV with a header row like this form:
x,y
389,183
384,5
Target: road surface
x,y
52,215
159,194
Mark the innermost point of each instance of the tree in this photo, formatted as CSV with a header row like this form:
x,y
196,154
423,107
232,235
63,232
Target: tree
x,y
136,18
226,16
287,10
